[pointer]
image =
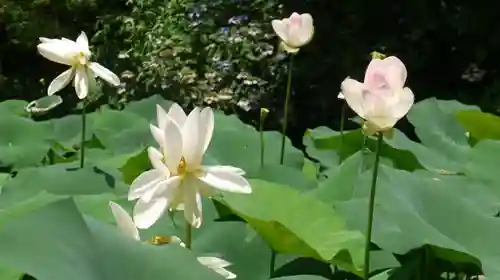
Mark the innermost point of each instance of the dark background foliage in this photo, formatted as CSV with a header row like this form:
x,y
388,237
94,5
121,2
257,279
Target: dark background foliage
x,y
224,52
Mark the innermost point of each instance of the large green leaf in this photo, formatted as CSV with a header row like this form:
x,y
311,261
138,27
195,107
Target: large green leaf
x,y
298,224
55,242
479,124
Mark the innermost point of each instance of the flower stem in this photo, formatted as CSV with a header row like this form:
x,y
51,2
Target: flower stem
x,y
366,271
189,231
262,145
342,121
272,264
285,118
82,142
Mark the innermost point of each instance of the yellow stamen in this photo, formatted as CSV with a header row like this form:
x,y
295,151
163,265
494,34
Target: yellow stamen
x,y
182,166
161,240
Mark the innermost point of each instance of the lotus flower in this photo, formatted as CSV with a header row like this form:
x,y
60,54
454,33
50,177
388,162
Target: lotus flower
x,y
295,31
381,100
82,71
125,223
179,179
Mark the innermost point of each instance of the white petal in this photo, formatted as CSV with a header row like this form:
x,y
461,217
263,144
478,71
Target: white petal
x,y
307,29
227,169
147,212
104,73
155,157
81,83
57,51
83,41
378,111
123,221
158,135
353,94
144,183
177,114
223,180
172,136
404,104
206,128
161,117
340,95
395,71
281,29
192,206
217,265
191,142
61,81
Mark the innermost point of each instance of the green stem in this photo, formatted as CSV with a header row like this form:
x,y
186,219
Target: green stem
x,y
82,142
262,145
272,264
371,206
342,121
285,118
189,232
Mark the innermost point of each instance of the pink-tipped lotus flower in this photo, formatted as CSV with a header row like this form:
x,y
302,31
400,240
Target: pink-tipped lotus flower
x,y
382,99
295,31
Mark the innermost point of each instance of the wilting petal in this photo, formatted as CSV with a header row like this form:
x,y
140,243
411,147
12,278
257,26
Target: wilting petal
x,y
192,146
280,28
161,117
60,52
155,157
403,105
192,206
173,145
61,81
206,128
353,94
81,82
123,221
104,73
225,180
218,266
177,114
144,183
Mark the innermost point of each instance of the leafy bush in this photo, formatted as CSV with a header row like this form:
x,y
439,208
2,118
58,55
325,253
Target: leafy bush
x,y
217,52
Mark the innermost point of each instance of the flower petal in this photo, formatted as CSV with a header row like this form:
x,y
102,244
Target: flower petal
x,y
353,94
155,157
177,114
144,183
395,72
405,102
57,51
192,206
227,169
123,221
147,212
281,29
206,128
83,41
173,145
307,29
191,142
217,265
104,73
81,82
60,81
340,95
225,179
158,135
378,112
161,117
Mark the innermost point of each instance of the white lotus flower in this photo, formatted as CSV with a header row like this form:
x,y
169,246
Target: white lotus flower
x,y
126,225
75,54
179,179
295,31
381,100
